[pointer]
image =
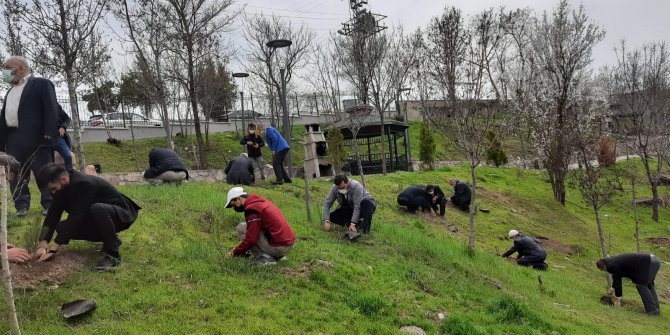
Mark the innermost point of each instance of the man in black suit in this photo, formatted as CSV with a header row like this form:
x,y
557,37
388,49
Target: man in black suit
x,y
462,194
641,269
28,126
165,166
96,213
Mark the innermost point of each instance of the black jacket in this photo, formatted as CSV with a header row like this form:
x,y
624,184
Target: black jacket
x,y
632,266
38,116
77,198
163,160
240,170
526,246
64,122
251,151
462,194
415,197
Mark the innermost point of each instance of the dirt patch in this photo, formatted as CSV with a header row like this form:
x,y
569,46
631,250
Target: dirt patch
x,y
556,245
659,240
495,196
53,272
665,295
305,270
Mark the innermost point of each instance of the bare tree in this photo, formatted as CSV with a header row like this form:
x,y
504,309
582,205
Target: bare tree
x,y
11,28
147,30
640,93
561,49
6,275
355,121
62,31
194,26
469,88
326,80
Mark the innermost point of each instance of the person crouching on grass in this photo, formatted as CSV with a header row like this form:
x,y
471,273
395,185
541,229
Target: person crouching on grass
x,y
265,234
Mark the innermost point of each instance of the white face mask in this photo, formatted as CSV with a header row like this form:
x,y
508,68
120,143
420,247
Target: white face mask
x,y
344,191
7,75
252,132
430,193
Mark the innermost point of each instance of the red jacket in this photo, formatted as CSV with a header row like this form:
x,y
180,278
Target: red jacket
x,y
263,216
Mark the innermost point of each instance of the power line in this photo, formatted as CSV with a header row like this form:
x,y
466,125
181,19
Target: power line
x,y
296,11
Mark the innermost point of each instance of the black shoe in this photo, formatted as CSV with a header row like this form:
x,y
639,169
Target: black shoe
x,y
22,212
277,182
288,181
107,263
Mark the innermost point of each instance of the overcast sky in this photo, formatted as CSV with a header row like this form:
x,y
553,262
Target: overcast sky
x,y
638,21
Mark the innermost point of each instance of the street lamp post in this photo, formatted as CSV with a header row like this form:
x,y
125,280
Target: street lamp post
x,y
286,129
407,144
242,75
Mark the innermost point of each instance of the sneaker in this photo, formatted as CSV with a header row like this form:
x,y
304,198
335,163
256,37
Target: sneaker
x,y
107,263
45,212
22,212
282,259
265,259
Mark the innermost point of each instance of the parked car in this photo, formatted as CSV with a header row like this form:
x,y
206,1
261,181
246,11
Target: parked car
x,y
116,119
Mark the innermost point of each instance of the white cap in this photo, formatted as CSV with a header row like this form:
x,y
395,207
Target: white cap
x,y
234,193
244,154
511,233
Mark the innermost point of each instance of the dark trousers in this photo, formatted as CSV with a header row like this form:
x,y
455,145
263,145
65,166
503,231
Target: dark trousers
x,y
464,206
536,262
31,160
442,204
411,207
342,215
64,151
100,224
278,165
648,291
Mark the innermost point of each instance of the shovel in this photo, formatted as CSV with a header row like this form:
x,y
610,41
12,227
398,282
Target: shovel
x,y
77,307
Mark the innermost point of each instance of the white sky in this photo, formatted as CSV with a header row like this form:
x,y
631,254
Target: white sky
x,y
638,21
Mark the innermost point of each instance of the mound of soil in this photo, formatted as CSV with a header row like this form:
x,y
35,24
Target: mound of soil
x,y
306,269
53,272
556,245
659,240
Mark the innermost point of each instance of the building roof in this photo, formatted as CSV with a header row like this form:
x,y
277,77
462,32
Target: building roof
x,y
371,126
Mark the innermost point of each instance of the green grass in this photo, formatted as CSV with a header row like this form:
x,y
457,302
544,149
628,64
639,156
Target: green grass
x,y
174,279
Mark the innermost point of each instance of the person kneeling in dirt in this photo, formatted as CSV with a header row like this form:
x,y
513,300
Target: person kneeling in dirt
x,y
165,166
462,194
356,206
641,269
416,197
266,234
530,253
96,213
437,198
240,170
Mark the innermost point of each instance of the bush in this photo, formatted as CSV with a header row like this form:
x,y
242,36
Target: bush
x,y
606,152
495,154
336,148
427,148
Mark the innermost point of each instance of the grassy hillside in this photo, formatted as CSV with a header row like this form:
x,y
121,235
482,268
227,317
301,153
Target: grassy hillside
x,y
175,281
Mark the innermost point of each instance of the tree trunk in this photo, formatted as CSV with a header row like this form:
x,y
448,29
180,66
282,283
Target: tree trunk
x,y
601,236
637,226
557,177
76,122
360,164
655,201
308,200
473,208
6,275
194,106
381,117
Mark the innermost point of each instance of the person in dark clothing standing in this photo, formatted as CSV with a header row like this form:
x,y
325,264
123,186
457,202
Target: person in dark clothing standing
x,y
280,149
240,170
639,268
530,254
96,213
414,198
62,145
437,199
462,194
28,128
165,166
355,209
265,234
254,143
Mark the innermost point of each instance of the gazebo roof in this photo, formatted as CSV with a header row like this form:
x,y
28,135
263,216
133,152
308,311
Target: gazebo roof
x,y
371,126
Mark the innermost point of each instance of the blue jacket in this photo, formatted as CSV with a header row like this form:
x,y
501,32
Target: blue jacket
x,y
276,142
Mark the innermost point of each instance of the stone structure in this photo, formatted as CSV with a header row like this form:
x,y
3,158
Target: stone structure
x,y
317,161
